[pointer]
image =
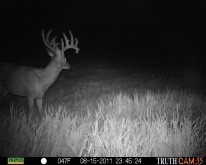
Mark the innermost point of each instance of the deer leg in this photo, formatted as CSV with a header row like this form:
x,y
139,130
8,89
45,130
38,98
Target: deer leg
x,y
39,106
30,100
3,93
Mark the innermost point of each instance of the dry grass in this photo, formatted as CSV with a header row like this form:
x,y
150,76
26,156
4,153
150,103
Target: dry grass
x,y
121,125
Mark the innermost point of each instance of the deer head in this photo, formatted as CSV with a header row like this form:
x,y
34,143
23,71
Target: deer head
x,y
58,53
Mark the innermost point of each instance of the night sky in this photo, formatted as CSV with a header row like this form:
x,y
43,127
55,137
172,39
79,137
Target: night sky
x,y
146,33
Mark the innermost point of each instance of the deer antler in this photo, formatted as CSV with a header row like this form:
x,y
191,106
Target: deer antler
x,y
69,45
52,45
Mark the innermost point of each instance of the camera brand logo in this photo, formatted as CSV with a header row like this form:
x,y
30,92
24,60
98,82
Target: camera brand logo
x,y
15,160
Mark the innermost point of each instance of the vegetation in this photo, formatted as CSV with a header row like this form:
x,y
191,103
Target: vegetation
x,y
108,111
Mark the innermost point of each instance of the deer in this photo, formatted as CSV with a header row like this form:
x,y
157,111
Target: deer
x,y
32,82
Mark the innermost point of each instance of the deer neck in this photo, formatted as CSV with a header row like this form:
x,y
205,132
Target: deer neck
x,y
51,72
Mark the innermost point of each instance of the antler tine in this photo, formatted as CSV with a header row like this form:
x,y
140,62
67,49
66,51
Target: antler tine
x,y
62,44
72,39
52,45
69,45
43,37
72,42
76,43
48,34
66,41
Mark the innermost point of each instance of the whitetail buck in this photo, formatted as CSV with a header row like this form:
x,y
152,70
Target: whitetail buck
x,y
34,82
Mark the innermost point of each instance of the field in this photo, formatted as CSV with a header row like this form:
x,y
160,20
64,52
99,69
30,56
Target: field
x,y
101,109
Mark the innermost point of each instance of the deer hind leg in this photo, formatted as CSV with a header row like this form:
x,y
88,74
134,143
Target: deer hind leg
x,y
3,93
39,106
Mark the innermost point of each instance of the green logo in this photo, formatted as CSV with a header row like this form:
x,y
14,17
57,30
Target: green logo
x,y
15,160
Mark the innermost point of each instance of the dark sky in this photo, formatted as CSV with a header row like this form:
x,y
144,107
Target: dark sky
x,y
147,31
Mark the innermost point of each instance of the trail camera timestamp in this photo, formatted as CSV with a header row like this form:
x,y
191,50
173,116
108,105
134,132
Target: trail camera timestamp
x,y
110,161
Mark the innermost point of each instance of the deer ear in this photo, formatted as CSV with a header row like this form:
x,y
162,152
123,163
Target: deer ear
x,y
50,52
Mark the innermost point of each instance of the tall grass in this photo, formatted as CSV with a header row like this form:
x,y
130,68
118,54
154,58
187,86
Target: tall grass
x,y
150,124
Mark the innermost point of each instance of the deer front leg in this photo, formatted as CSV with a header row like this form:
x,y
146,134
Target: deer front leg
x,y
30,100
39,106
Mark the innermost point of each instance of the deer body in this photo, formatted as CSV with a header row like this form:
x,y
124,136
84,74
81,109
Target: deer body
x,y
34,82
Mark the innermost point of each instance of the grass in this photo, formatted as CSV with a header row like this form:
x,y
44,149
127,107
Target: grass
x,y
107,111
